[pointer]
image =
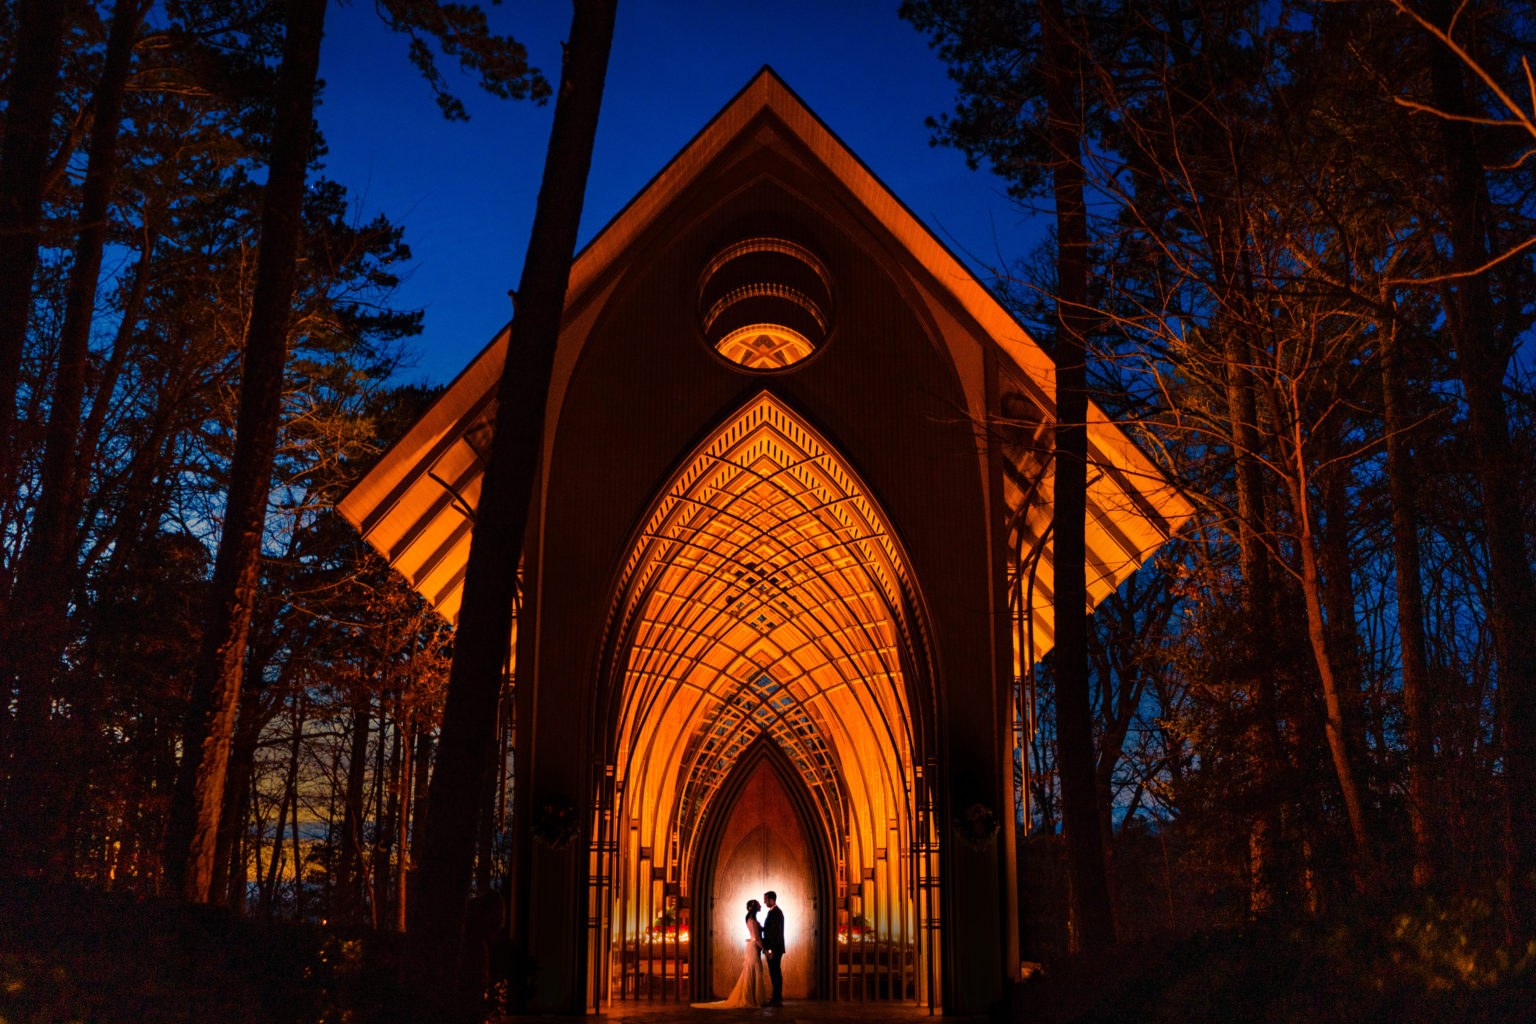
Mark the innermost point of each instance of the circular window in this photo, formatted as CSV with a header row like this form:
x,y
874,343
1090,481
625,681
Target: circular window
x,y
765,302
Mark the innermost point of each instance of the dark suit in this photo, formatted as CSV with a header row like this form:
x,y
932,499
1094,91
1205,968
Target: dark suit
x,y
773,939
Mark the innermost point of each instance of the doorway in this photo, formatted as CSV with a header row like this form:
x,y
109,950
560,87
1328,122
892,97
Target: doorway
x,y
761,839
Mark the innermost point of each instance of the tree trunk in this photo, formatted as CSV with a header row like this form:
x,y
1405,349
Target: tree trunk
x,y
242,763
1482,364
142,498
1410,613
421,763
1337,569
1092,911
33,92
235,892
216,685
485,618
1256,594
403,828
23,183
334,897
289,797
298,847
383,889
370,881
1334,724
37,628
421,777
41,595
349,871
263,877
122,342
249,722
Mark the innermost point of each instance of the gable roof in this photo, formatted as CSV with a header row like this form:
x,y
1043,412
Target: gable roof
x,y
416,506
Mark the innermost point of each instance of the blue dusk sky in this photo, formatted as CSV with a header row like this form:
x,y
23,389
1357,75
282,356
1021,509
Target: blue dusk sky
x,y
465,192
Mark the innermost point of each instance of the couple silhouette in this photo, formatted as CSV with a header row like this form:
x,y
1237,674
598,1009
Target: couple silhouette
x,y
761,982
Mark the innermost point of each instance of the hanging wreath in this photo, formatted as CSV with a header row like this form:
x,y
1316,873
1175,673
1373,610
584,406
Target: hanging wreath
x,y
556,823
976,826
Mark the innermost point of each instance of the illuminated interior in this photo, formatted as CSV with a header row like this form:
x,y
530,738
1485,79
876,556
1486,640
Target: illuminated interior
x,y
764,606
765,346
766,597
764,302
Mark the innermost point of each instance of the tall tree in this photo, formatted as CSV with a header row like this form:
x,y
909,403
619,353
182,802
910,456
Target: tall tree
x,y
1064,129
24,159
468,734
461,30
1410,606
35,633
1036,132
193,833
1479,330
1247,183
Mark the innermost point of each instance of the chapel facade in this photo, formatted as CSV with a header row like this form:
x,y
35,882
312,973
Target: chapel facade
x,y
788,556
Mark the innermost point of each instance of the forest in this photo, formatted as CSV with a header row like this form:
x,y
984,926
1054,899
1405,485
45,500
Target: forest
x,y
1291,249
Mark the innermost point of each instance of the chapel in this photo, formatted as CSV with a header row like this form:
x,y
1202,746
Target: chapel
x,y
788,560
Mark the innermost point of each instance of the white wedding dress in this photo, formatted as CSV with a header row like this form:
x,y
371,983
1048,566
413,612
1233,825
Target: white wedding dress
x,y
753,986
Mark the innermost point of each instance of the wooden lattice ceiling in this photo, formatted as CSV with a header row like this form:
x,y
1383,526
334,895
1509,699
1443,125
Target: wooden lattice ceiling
x,y
766,594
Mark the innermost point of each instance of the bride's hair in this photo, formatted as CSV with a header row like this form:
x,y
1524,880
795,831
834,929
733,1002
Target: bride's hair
x,y
753,907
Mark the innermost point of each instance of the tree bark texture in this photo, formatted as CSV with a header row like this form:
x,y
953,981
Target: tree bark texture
x,y
216,686
468,732
1092,912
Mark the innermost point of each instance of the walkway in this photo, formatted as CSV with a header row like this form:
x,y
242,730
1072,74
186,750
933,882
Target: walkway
x,y
795,1012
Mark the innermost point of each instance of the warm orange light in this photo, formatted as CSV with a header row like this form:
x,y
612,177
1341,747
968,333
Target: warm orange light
x,y
766,595
765,346
664,933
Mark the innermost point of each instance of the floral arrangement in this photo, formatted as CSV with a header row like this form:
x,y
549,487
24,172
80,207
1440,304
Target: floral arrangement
x,y
856,930
556,823
976,826
666,929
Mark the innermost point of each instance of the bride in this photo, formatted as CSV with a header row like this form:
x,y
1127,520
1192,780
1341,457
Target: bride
x,y
753,988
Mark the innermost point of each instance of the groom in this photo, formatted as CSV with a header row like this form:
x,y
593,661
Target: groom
x,y
773,946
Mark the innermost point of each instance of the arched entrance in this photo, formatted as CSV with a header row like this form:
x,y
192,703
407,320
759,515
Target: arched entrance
x,y
766,667
676,612
761,835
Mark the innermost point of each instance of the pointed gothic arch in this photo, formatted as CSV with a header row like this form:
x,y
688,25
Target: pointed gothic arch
x,y
766,603
639,675
819,938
